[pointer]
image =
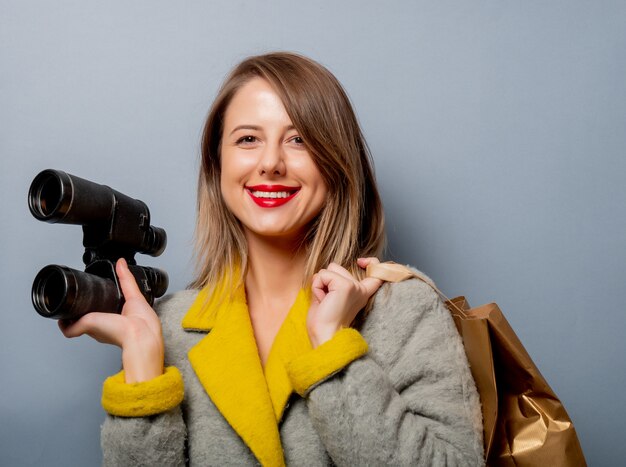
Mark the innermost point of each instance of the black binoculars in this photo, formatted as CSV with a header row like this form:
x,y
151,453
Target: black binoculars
x,y
114,226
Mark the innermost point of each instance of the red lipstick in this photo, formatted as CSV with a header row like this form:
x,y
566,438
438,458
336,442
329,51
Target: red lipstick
x,y
268,202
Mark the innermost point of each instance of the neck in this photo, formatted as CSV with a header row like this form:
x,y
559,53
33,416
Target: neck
x,y
275,268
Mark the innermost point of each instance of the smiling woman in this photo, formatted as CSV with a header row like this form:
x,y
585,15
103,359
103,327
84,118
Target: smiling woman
x,y
288,353
316,116
268,178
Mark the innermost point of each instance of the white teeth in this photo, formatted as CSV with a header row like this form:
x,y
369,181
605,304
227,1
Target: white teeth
x,y
270,194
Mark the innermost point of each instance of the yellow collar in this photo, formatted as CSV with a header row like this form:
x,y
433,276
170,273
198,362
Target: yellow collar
x,y
227,364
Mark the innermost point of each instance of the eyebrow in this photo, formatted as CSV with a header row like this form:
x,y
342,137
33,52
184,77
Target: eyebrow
x,y
256,128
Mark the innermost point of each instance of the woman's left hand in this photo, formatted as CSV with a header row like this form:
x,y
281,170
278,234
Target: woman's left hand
x,y
337,298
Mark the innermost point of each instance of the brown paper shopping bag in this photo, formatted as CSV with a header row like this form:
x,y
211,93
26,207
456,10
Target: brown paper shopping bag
x,y
524,422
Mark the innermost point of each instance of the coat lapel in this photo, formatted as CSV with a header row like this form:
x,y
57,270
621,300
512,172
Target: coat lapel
x,y
228,366
291,340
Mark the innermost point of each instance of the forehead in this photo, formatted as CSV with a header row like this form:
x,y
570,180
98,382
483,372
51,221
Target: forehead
x,y
257,101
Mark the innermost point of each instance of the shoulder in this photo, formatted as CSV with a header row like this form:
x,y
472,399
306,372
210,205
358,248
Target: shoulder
x,y
407,299
407,313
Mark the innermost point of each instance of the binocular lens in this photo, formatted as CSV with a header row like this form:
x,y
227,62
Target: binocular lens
x,y
50,290
49,195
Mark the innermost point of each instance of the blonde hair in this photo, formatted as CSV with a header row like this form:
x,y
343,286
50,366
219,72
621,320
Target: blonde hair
x,y
351,224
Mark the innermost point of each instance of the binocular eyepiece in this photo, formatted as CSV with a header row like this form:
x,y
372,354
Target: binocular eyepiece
x,y
114,226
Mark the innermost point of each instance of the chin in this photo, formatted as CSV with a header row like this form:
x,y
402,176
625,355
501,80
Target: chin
x,y
276,233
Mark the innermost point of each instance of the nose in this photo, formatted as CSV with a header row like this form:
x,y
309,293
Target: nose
x,y
272,161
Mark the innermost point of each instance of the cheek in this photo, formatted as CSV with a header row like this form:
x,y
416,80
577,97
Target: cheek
x,y
226,170
320,197
237,166
321,187
228,184
230,173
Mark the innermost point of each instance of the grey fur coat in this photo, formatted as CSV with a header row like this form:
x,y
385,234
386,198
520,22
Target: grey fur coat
x,y
406,398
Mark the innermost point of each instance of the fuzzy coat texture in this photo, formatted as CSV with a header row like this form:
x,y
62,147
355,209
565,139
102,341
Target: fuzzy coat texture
x,y
399,392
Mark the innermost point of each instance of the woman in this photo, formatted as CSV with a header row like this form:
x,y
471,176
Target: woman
x,y
282,357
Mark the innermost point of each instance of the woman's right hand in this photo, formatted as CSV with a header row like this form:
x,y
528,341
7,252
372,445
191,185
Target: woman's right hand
x,y
137,330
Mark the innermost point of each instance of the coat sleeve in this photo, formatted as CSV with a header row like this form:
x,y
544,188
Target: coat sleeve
x,y
407,398
144,424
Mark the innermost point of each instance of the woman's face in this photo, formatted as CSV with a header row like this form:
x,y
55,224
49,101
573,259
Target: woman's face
x,y
268,178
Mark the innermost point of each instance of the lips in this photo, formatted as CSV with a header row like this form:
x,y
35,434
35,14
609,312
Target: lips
x,y
272,196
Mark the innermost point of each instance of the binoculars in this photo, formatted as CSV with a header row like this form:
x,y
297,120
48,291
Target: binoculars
x,y
114,226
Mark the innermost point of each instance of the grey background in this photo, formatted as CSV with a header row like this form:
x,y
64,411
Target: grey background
x,y
497,129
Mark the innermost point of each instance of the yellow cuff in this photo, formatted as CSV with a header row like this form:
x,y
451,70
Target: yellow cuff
x,y
327,359
142,399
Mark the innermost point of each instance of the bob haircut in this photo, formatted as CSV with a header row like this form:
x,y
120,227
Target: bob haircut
x,y
350,225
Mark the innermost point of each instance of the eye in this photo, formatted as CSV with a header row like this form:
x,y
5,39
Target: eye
x,y
248,139
297,140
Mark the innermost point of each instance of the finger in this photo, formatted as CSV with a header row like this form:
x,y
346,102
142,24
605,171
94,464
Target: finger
x,y
334,267
318,287
332,280
371,285
364,262
70,327
128,284
104,327
64,324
